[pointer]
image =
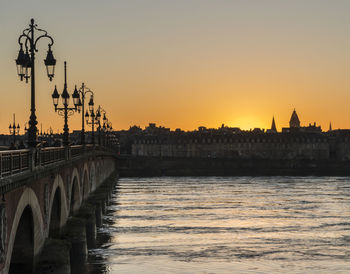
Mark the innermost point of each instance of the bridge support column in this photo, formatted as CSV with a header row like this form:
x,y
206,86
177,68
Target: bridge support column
x,y
75,233
97,211
108,197
87,212
103,206
98,214
54,257
98,199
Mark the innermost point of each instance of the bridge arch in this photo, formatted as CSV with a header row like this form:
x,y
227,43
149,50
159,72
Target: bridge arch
x,y
58,207
25,238
75,193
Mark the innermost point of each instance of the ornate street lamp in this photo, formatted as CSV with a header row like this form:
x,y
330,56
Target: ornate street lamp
x,y
98,119
25,127
50,63
20,61
108,131
25,63
14,130
105,128
80,101
91,119
65,111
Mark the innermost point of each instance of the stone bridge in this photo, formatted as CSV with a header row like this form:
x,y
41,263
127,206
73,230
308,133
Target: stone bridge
x,y
39,190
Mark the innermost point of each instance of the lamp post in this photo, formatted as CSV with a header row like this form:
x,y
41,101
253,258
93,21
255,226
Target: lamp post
x,y
25,127
14,130
92,119
83,91
26,69
98,119
65,111
108,131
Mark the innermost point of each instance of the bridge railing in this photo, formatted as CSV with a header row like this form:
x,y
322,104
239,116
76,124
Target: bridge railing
x,y
51,155
14,161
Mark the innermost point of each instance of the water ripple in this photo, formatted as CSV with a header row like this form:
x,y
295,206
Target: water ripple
x,y
226,225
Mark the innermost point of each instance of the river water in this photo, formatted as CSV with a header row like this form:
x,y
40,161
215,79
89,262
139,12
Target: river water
x,y
226,225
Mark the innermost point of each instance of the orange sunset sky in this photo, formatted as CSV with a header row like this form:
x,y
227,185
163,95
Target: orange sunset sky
x,y
186,63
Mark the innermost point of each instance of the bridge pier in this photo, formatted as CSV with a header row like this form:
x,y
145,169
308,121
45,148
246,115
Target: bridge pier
x,y
54,258
75,233
99,198
87,212
98,214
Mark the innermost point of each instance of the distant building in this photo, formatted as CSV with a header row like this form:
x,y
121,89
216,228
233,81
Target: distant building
x,y
273,127
294,126
312,128
135,129
153,129
294,121
294,142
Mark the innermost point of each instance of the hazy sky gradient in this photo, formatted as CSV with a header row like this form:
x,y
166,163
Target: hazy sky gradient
x,y
186,63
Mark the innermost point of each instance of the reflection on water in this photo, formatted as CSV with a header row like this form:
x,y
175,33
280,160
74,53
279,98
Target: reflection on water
x,y
226,225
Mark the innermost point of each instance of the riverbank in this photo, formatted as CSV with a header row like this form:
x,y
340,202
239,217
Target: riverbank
x,y
156,166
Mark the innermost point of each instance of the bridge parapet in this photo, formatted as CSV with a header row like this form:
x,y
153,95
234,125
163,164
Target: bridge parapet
x,y
51,155
17,167
14,161
17,161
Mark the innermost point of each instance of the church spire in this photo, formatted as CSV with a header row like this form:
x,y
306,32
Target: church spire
x,y
330,126
273,126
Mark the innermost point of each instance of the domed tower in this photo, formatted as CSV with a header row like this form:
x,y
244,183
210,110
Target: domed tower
x,y
294,120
